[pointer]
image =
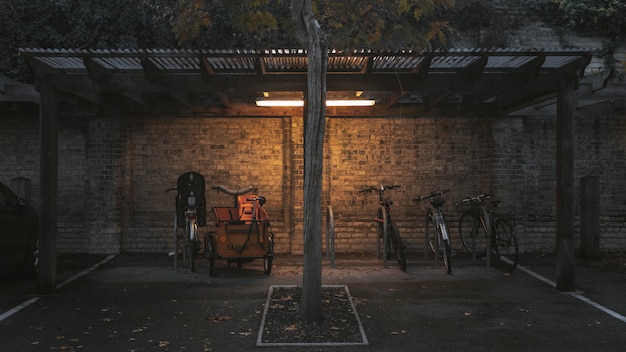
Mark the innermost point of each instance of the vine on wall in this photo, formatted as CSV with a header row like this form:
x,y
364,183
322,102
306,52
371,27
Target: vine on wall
x,y
603,18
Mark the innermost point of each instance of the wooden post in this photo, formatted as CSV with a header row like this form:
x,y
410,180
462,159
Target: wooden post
x,y
48,127
311,36
565,275
590,217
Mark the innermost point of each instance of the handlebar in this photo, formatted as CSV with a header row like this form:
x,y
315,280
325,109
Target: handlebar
x,y
380,188
431,195
472,200
236,192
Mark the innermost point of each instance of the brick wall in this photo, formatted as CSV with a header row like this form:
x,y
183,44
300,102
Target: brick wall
x,y
113,171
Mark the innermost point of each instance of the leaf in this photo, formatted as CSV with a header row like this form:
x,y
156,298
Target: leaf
x,y
293,327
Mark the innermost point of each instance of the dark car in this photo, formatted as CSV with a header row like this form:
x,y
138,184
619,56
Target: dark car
x,y
19,234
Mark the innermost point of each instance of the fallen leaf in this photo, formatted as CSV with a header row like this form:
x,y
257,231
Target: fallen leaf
x,y
291,327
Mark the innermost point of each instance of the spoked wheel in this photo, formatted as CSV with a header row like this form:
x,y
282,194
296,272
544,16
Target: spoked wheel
x,y
473,234
210,252
398,246
505,245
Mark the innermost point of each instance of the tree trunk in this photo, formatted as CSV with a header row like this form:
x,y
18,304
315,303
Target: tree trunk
x,y
312,38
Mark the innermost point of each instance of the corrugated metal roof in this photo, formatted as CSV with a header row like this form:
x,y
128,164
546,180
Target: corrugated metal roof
x,y
465,73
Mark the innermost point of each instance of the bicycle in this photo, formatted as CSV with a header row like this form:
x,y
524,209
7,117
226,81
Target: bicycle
x,y
190,213
437,234
242,231
386,228
474,233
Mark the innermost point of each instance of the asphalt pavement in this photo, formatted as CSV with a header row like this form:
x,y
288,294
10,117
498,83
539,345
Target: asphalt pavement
x,y
139,302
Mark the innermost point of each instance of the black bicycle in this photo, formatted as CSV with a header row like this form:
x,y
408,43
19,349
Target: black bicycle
x,y
387,230
437,234
190,213
473,230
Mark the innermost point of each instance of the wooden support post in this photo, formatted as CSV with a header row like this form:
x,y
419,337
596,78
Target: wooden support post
x,y
590,217
48,127
565,274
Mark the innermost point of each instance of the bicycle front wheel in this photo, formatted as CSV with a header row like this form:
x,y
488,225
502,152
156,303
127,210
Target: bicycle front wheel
x,y
505,244
191,237
398,247
446,248
431,233
473,234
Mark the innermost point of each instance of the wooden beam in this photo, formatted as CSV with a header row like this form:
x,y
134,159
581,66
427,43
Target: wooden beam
x,y
565,275
48,174
96,71
436,97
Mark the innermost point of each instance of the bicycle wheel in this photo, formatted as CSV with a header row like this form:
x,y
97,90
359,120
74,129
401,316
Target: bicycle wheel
x,y
398,247
473,234
431,233
445,247
380,231
505,244
210,252
269,256
191,231
387,253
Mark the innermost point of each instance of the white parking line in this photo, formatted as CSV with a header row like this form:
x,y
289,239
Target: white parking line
x,y
27,303
575,295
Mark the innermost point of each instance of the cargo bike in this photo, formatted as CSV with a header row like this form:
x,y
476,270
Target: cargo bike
x,y
242,231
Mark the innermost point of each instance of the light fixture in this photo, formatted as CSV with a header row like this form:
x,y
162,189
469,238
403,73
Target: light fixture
x,y
292,103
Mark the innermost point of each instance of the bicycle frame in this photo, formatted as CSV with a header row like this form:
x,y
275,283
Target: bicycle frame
x,y
498,230
390,235
242,231
190,222
436,217
190,213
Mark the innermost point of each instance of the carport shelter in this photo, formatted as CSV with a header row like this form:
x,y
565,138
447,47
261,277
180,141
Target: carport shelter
x,y
230,82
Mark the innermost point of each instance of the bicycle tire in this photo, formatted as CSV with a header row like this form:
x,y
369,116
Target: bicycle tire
x,y
192,244
446,250
472,233
398,246
431,233
209,243
379,224
269,256
505,244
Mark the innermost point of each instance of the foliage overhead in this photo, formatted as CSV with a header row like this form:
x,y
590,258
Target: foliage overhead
x,y
346,24
598,17
604,18
79,24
